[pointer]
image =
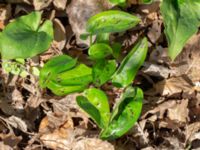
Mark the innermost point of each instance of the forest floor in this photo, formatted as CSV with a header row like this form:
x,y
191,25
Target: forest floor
x,y
33,119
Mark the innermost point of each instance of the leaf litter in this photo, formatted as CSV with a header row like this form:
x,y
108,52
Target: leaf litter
x,y
32,118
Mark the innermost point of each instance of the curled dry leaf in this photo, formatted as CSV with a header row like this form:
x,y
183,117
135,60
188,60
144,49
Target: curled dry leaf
x,y
160,110
179,112
60,138
92,144
17,122
60,4
79,11
59,34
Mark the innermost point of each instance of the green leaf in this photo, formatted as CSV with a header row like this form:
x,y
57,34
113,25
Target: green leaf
x,y
62,90
95,103
127,71
79,75
103,70
146,1
25,38
125,114
181,21
84,36
103,38
118,2
111,21
116,49
99,51
55,66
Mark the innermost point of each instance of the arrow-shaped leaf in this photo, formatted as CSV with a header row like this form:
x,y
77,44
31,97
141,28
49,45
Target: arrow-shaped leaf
x,y
25,38
125,114
95,103
181,21
55,66
127,71
111,21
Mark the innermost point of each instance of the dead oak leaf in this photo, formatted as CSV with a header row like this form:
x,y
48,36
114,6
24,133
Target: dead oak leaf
x,y
171,86
179,112
59,138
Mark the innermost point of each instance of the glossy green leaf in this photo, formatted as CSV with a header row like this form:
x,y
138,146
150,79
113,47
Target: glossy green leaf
x,y
125,114
181,21
103,70
127,71
99,51
95,103
102,38
118,2
79,75
25,37
62,90
111,21
55,66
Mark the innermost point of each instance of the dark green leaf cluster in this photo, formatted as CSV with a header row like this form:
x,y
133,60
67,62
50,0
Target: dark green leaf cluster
x,y
27,37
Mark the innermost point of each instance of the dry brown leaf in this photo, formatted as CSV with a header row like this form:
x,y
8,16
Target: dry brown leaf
x,y
148,148
17,122
41,4
179,112
188,62
60,4
173,86
92,144
79,11
60,138
175,143
5,12
18,1
161,109
156,70
5,147
17,99
10,140
6,107
155,31
59,34
191,131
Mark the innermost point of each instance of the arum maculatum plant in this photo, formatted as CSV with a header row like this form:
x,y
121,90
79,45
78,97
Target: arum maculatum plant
x,y
64,74
23,38
28,36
